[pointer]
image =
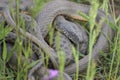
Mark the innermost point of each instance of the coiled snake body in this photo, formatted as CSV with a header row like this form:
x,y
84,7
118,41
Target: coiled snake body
x,y
66,8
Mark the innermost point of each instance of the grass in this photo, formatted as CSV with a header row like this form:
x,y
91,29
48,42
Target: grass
x,y
107,67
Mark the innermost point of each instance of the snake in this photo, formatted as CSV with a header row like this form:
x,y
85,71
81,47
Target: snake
x,y
39,41
12,37
37,70
73,31
55,8
66,8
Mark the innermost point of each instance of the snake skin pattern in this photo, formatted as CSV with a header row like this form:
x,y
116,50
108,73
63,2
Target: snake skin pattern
x,y
54,12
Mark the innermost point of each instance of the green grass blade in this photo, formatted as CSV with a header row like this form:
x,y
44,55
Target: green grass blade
x,y
4,54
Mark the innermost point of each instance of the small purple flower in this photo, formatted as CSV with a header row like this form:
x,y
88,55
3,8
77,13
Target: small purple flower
x,y
52,74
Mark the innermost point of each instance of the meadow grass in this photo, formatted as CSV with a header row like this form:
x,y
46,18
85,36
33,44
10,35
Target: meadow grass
x,y
107,67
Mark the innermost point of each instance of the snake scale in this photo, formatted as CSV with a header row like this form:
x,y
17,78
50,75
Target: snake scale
x,y
66,8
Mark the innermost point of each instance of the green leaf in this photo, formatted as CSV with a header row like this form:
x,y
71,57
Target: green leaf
x,y
32,64
83,15
112,25
4,32
10,54
4,55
